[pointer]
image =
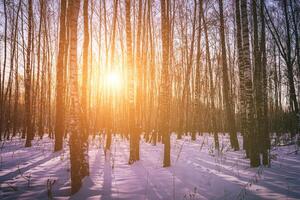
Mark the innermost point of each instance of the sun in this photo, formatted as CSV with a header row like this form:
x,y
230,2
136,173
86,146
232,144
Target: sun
x,y
114,80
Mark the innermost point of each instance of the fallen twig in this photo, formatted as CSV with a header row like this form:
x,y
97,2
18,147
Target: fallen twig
x,y
50,183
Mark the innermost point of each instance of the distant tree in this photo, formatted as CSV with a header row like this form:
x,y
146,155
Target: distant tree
x,y
284,45
110,120
16,100
197,93
211,89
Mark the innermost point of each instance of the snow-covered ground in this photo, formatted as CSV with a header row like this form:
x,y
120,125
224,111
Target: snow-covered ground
x,y
197,172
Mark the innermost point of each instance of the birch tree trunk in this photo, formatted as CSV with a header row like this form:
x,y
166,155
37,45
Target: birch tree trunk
x,y
248,90
60,66
164,90
241,76
84,106
139,93
77,156
265,135
131,111
229,107
28,122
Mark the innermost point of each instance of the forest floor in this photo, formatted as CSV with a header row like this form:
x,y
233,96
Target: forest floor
x,y
197,172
